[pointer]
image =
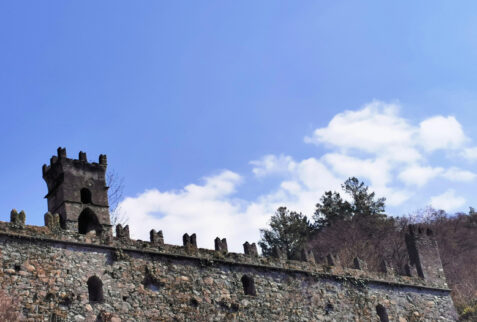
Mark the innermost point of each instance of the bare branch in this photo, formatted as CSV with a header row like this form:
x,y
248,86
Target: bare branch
x,y
115,195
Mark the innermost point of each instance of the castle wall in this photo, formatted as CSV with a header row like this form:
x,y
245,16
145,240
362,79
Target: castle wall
x,y
48,276
73,269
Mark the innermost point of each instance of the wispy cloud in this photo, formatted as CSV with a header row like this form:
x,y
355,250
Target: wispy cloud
x,y
207,209
419,175
447,201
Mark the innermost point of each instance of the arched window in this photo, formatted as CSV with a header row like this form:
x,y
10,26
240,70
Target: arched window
x,y
95,289
381,311
248,285
87,221
151,283
85,195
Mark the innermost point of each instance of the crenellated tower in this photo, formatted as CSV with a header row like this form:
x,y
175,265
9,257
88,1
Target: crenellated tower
x,y
424,255
77,191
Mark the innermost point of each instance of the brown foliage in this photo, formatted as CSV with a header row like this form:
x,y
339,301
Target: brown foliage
x,y
457,240
370,239
384,239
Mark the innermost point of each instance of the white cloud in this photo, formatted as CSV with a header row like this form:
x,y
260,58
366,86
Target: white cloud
x,y
456,174
441,132
376,129
211,210
447,201
419,175
302,186
208,210
375,170
378,172
470,153
374,143
272,164
394,196
316,176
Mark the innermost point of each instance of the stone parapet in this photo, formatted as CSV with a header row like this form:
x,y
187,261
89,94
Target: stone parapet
x,y
208,256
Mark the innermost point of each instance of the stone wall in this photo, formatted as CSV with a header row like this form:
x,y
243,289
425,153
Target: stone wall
x,y
53,274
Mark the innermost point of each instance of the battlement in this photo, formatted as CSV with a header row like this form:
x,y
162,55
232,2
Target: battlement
x,y
77,191
278,261
61,159
65,275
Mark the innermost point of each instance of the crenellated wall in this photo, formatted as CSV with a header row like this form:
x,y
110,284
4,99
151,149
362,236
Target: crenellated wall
x,y
74,269
57,274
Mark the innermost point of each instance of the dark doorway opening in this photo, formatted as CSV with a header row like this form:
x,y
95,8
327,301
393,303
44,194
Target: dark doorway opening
x,y
381,311
248,285
95,289
87,221
62,221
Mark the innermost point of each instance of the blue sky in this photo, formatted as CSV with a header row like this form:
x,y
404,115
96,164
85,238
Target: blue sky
x,y
216,112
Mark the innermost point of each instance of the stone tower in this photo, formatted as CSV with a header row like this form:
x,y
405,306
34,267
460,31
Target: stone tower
x,y
424,255
77,191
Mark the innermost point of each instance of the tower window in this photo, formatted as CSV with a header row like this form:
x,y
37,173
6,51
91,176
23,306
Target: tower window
x,y
248,285
151,283
63,221
85,195
87,221
381,311
95,289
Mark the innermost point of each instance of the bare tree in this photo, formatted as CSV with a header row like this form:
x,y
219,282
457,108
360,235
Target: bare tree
x,y
115,195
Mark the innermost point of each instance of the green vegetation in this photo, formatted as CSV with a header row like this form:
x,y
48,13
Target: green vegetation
x,y
332,208
288,231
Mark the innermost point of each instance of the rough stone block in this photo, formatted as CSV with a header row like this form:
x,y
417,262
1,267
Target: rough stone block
x,y
332,260
221,245
61,153
122,233
359,264
52,221
156,238
82,156
385,268
189,242
250,249
278,253
307,255
17,218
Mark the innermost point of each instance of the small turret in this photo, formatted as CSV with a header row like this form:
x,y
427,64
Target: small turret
x,y
250,249
221,245
77,191
424,255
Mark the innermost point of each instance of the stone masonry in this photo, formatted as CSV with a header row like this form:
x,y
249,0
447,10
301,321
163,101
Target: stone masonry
x,y
79,271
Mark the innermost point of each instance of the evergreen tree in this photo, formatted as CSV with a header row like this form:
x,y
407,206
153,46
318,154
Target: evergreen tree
x,y
332,207
288,231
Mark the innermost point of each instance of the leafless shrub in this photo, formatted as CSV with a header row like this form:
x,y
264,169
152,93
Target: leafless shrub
x,y
115,195
371,242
